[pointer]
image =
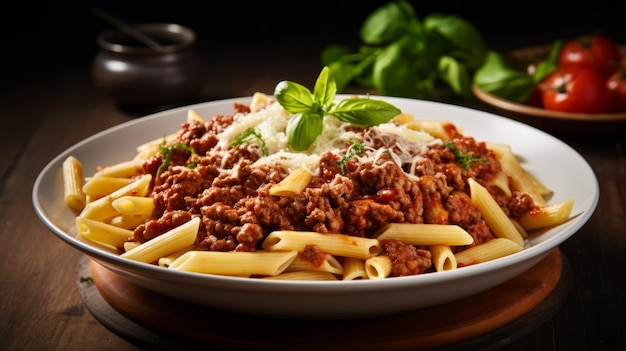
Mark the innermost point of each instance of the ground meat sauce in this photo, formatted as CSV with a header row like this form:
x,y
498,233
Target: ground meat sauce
x,y
232,197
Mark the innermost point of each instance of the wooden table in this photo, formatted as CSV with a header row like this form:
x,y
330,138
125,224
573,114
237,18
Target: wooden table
x,y
49,102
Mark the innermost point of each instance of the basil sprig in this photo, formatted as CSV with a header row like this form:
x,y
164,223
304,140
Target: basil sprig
x,y
309,109
402,54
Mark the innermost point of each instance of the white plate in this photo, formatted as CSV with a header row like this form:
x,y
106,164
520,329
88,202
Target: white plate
x,y
556,164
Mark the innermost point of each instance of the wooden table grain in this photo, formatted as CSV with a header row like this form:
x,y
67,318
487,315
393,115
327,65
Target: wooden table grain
x,y
49,102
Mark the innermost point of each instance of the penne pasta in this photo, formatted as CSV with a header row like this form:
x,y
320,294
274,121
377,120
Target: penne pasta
x,y
102,208
302,275
487,251
442,257
293,184
128,221
125,169
547,216
330,265
101,232
443,130
353,268
129,245
501,225
378,267
192,115
234,263
425,234
520,178
154,144
97,187
165,244
167,260
134,205
334,244
73,183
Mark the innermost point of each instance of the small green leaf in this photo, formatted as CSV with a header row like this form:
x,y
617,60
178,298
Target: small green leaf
x,y
455,75
387,23
294,97
325,88
356,148
550,64
303,129
364,112
496,76
247,136
465,160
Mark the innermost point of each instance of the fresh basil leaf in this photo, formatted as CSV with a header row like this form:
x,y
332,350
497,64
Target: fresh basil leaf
x,y
302,130
549,65
405,68
325,88
455,74
364,112
394,71
496,76
333,53
387,23
294,97
464,39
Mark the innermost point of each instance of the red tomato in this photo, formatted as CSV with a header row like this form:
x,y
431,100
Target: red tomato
x,y
617,88
580,91
595,52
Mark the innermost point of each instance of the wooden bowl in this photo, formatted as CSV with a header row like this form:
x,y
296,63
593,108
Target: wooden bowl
x,y
552,121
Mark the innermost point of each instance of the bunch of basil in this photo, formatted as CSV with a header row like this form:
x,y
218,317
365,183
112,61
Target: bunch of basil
x,y
402,55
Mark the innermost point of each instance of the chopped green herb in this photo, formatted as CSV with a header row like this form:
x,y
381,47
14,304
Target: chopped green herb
x,y
462,158
86,280
356,148
246,136
166,151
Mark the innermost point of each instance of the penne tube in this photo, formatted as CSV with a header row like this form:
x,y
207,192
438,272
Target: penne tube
x,y
487,251
102,209
73,184
234,263
192,116
443,130
501,181
293,184
134,205
425,234
378,267
167,260
353,268
166,243
330,264
547,216
259,101
520,178
101,232
442,257
499,223
124,169
154,144
302,275
129,245
128,221
97,187
334,244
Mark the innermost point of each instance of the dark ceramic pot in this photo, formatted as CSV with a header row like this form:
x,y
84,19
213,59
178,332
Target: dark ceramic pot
x,y
134,75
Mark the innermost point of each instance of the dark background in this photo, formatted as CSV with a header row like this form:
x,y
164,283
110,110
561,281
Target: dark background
x,y
43,37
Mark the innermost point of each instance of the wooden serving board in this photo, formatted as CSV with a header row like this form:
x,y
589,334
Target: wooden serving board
x,y
481,319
